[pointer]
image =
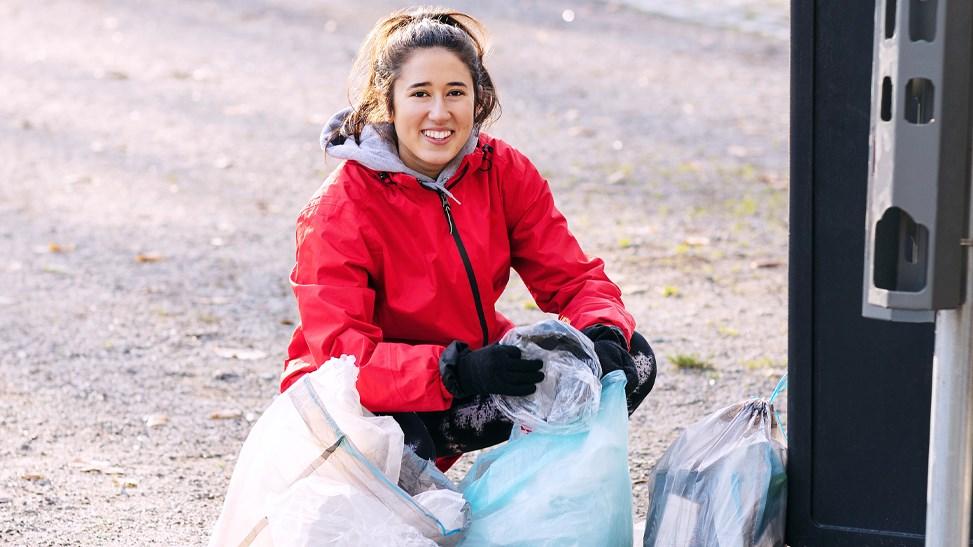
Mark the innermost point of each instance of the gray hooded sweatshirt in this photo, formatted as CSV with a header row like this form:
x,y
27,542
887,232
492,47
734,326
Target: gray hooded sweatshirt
x,y
377,153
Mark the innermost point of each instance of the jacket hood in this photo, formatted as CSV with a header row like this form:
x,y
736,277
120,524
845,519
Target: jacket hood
x,y
377,153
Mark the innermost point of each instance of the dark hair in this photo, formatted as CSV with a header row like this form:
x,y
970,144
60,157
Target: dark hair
x,y
388,47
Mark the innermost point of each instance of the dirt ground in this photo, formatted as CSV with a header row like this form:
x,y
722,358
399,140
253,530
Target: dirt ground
x,y
153,158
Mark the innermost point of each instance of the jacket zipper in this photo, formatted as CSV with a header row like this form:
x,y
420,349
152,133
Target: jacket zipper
x,y
471,277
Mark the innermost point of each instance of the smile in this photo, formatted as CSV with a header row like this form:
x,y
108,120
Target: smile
x,y
437,135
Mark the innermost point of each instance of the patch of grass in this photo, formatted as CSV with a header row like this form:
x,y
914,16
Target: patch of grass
x,y
685,361
725,330
760,363
624,242
688,167
743,207
669,291
697,211
529,304
208,318
747,172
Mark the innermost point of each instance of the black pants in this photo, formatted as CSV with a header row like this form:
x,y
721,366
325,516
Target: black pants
x,y
475,422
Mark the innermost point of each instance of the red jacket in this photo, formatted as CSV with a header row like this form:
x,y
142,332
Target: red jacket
x,y
381,272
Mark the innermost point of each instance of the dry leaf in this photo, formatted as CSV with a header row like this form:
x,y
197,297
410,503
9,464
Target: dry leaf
x,y
225,414
54,269
148,258
697,241
243,354
156,420
765,264
126,482
56,248
32,476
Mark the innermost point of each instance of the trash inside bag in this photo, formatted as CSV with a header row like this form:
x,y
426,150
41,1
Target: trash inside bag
x,y
722,483
316,459
567,399
550,489
320,511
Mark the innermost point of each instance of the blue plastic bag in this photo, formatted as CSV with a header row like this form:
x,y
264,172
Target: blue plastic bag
x,y
546,489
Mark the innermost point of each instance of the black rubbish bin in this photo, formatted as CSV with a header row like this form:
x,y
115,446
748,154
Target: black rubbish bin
x,y
860,389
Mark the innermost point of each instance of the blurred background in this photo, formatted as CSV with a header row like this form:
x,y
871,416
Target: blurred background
x,y
153,159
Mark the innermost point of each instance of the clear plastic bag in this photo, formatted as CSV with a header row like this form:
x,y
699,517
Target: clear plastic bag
x,y
550,489
317,454
722,483
567,399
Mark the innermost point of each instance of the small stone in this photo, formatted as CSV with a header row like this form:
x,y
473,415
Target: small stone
x,y
268,376
243,354
156,420
616,177
226,376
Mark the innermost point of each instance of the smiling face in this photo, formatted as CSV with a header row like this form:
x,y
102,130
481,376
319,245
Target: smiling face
x,y
432,101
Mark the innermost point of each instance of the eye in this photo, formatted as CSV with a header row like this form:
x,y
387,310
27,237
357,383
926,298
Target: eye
x,y
456,93
420,94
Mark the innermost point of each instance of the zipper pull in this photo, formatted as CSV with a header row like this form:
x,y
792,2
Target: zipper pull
x,y
449,215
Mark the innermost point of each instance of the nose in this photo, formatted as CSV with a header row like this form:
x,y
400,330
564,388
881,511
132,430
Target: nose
x,y
438,111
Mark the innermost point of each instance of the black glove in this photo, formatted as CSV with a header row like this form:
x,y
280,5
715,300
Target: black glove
x,y
496,369
610,348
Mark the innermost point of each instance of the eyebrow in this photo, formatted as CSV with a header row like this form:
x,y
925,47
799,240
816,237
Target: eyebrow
x,y
427,84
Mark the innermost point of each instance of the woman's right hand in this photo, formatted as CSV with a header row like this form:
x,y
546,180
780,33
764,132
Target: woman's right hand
x,y
499,369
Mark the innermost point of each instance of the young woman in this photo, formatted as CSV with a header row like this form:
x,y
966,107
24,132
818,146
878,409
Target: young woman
x,y
404,251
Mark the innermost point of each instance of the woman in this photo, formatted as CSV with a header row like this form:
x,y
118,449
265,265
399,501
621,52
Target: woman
x,y
403,253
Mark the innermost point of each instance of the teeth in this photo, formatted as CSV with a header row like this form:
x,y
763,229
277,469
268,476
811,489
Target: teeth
x,y
437,134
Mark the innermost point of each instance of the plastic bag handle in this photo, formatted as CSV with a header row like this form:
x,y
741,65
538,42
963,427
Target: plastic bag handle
x,y
781,386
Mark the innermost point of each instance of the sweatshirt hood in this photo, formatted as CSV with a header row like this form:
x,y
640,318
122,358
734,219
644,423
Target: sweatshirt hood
x,y
379,154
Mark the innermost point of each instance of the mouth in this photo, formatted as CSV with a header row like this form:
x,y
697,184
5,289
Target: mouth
x,y
437,136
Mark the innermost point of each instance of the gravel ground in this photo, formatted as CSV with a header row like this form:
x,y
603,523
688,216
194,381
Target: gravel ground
x,y
153,158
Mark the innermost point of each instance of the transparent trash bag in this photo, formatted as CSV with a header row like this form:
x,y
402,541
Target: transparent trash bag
x,y
550,489
316,459
722,483
567,399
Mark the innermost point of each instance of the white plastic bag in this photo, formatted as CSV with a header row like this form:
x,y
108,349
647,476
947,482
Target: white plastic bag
x,y
317,511
567,400
315,454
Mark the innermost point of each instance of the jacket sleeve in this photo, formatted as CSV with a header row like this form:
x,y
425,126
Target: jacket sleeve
x,y
561,278
336,303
